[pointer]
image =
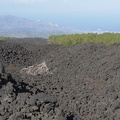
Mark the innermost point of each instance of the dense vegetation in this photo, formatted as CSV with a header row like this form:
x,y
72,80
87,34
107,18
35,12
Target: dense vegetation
x,y
4,38
106,38
13,38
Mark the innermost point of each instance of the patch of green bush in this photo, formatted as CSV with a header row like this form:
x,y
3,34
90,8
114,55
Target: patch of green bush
x,y
106,38
4,38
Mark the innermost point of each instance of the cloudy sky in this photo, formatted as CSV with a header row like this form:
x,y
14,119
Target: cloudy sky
x,y
82,14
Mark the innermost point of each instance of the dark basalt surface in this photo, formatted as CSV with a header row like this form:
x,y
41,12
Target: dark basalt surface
x,y
84,84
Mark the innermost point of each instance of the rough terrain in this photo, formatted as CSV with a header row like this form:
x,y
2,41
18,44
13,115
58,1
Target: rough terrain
x,y
50,82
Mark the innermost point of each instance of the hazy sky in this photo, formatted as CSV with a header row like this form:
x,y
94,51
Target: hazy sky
x,y
82,14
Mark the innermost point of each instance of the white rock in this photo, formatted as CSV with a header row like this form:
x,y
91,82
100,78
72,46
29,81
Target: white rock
x,y
36,69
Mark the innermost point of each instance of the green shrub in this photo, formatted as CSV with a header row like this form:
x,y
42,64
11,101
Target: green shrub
x,y
4,38
106,38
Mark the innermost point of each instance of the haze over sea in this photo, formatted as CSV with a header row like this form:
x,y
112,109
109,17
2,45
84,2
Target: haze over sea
x,y
88,15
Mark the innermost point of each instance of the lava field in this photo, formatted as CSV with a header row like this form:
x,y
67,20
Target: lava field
x,y
39,81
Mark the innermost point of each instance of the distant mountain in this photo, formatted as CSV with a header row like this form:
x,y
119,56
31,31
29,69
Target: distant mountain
x,y
13,26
